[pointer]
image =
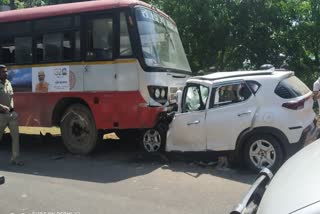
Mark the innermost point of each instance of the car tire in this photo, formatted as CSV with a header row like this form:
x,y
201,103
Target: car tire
x,y
153,140
263,150
78,130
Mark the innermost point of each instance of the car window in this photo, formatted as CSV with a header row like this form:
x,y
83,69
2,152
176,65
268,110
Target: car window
x,y
291,87
229,94
254,86
196,97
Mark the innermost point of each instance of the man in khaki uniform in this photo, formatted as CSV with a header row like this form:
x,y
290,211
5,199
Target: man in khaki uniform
x,y
8,117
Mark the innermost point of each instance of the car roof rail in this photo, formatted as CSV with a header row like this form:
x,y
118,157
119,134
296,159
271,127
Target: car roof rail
x,y
212,77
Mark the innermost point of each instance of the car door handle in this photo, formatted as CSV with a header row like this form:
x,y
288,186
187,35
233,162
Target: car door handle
x,y
194,122
244,113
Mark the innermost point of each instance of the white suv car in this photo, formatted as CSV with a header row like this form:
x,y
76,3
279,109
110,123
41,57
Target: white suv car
x,y
262,117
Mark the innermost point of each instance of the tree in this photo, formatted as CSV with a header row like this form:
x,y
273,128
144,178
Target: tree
x,y
240,34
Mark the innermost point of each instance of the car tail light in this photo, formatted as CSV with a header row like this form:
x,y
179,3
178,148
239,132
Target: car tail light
x,y
295,105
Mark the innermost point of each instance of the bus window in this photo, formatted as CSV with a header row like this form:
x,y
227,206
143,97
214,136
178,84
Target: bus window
x,y
23,53
52,46
7,51
125,45
100,39
39,49
57,47
77,42
18,28
67,47
49,24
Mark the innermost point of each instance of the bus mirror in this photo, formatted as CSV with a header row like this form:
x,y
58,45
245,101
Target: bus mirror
x,y
179,98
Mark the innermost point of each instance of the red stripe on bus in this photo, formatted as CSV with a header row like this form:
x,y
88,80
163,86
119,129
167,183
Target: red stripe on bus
x,y
127,109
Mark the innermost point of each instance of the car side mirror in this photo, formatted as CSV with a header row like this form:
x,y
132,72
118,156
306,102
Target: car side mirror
x,y
179,99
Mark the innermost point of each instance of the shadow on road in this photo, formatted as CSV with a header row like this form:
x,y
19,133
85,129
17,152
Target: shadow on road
x,y
112,161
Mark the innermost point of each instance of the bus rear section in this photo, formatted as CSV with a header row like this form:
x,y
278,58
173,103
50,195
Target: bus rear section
x,y
89,72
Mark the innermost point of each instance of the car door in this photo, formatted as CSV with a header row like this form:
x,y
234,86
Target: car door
x,y
232,109
187,131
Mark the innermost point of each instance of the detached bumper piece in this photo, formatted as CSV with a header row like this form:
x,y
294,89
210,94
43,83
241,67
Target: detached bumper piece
x,y
251,200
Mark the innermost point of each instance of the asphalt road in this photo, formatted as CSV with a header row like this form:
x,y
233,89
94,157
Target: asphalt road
x,y
115,179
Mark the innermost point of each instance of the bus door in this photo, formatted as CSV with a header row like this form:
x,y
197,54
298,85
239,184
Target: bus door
x,y
126,66
99,72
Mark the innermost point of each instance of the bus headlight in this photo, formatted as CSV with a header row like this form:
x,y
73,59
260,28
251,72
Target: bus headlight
x,y
163,93
158,93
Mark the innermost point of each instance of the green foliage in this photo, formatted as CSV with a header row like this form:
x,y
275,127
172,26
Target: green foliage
x,y
244,34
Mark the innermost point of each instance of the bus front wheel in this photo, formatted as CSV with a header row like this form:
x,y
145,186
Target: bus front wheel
x,y
78,130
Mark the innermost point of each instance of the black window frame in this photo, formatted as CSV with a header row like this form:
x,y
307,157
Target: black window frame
x,y
254,82
73,29
184,95
24,63
115,20
130,33
214,88
82,29
12,35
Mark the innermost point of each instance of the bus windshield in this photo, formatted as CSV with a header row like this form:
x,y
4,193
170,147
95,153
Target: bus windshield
x,y
160,40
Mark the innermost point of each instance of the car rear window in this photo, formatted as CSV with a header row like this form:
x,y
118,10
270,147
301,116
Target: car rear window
x,y
291,87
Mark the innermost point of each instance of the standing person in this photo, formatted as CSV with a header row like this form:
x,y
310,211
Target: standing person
x,y
8,117
316,92
42,86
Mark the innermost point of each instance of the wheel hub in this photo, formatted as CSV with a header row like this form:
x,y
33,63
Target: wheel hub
x,y
262,154
152,140
78,128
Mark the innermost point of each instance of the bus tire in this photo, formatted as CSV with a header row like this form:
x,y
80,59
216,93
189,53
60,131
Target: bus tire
x,y
78,130
154,139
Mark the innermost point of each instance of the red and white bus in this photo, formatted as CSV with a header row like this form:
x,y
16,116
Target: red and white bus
x,y
94,67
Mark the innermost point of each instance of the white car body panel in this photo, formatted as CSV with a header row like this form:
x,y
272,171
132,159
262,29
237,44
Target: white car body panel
x,y
269,116
224,124
187,132
295,185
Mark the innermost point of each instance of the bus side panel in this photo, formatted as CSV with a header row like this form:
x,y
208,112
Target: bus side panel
x,y
110,109
34,109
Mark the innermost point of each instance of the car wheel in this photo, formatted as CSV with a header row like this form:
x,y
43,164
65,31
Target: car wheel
x,y
78,130
153,140
263,151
